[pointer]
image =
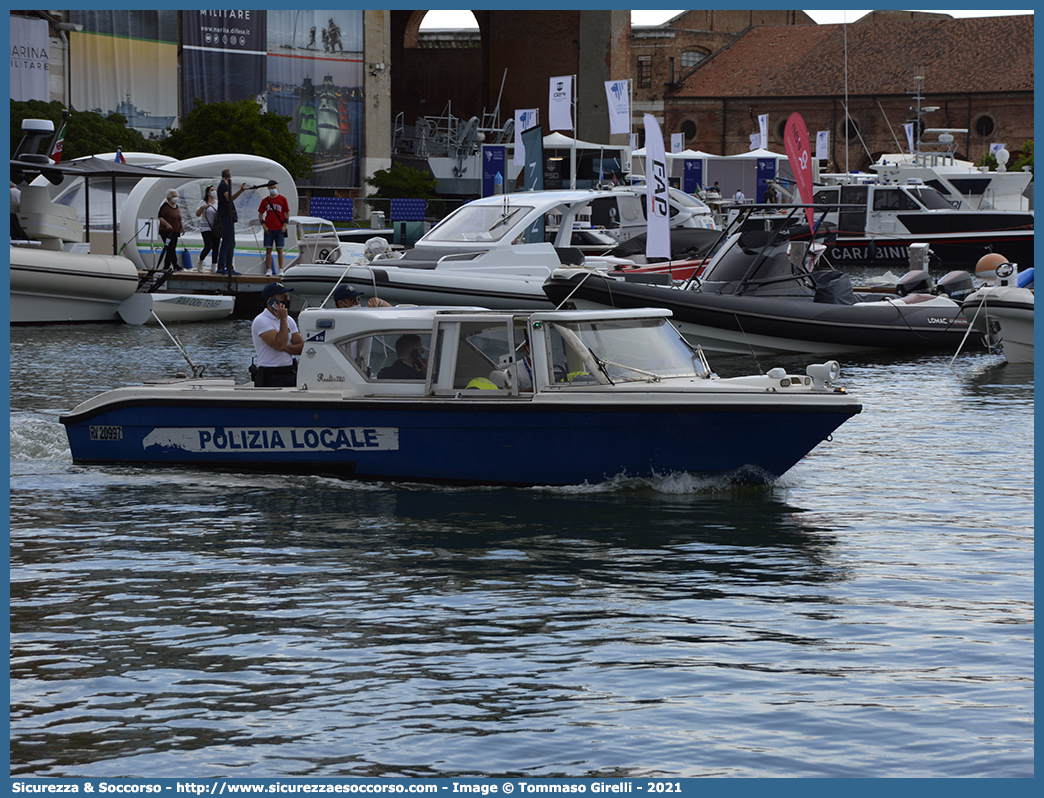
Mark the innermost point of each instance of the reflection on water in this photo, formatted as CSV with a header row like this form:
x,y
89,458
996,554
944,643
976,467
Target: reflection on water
x,y
188,623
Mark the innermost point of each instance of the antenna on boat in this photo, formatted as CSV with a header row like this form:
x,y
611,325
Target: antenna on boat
x,y
197,371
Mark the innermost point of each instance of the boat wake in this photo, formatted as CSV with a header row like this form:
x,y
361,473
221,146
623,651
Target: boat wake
x,y
36,437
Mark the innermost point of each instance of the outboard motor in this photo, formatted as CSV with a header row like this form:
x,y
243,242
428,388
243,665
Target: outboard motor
x,y
916,282
957,285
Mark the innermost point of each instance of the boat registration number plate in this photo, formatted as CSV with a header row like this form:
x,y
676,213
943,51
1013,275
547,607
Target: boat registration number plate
x,y
106,433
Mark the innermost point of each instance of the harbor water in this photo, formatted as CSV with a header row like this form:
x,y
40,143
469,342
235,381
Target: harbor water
x,y
870,614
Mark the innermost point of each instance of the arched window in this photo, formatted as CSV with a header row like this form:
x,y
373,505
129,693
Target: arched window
x,y
691,58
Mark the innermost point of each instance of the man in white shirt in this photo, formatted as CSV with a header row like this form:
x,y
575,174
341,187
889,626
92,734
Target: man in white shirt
x,y
276,340
740,197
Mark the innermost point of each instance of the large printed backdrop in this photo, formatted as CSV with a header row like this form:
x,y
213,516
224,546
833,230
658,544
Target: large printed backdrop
x,y
307,65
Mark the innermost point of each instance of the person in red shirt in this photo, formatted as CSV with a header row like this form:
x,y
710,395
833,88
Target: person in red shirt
x,y
273,212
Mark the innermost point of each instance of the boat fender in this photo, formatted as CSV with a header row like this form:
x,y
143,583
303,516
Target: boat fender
x,y
871,251
481,382
1025,279
186,260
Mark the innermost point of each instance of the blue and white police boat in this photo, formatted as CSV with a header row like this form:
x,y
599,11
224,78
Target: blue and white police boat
x,y
473,396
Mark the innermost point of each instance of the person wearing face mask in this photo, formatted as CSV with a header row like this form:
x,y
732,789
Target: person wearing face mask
x,y
209,227
276,340
273,212
170,228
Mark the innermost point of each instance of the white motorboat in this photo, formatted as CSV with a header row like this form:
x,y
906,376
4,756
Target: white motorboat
x,y
479,255
877,222
517,398
1003,313
54,277
138,198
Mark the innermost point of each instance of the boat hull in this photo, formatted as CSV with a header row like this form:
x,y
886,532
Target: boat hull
x,y
49,286
453,440
167,308
312,283
742,324
954,250
1005,315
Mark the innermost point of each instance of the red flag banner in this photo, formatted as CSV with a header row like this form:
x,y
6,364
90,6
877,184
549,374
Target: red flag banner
x,y
795,143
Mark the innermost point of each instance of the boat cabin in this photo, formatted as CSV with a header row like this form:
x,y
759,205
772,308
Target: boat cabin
x,y
879,206
486,354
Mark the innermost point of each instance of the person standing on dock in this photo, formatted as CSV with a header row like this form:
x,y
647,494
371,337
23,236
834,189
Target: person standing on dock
x,y
170,228
276,340
273,212
209,227
229,217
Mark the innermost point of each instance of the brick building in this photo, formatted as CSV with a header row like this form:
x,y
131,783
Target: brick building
x,y
662,54
777,70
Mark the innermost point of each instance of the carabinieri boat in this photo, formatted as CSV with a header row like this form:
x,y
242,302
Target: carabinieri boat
x,y
501,397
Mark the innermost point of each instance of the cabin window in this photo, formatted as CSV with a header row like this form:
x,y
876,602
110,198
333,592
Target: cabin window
x,y
472,351
601,352
373,354
929,198
852,220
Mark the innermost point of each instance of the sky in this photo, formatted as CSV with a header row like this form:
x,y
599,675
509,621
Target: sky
x,y
464,19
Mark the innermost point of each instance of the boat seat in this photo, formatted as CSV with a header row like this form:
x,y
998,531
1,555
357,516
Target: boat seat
x,y
570,256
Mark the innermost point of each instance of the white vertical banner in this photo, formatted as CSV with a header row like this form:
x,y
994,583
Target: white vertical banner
x,y
30,60
616,93
677,142
524,120
755,141
909,135
559,103
763,131
658,237
634,142
823,145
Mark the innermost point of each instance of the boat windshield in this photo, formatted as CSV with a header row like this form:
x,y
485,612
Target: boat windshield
x,y
478,223
621,351
734,263
930,198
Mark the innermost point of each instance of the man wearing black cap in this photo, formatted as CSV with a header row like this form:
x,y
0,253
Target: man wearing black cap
x,y
276,340
273,212
347,297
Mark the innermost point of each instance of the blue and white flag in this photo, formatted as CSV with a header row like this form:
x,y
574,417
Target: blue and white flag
x,y
909,135
823,145
524,120
560,103
657,198
763,131
617,94
677,143
995,148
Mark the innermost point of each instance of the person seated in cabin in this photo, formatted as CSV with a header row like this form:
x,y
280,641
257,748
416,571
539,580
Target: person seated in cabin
x,y
276,340
347,297
410,363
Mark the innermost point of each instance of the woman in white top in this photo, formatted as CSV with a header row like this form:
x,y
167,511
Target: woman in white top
x,y
208,225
